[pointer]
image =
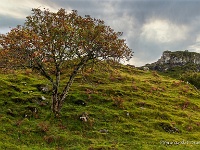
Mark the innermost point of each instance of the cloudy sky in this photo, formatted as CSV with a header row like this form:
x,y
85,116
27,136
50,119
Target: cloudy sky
x,y
149,26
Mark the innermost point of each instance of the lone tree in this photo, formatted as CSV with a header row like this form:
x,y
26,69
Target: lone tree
x,y
47,41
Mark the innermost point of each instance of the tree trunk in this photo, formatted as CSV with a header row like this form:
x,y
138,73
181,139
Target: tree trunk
x,y
56,105
71,79
58,99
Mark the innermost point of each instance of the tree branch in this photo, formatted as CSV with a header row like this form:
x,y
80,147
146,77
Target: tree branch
x,y
43,72
72,77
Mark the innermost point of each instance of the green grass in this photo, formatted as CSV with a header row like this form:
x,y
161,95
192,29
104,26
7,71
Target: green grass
x,y
127,109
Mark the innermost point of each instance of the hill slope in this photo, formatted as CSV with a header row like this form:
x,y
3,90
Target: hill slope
x,y
124,109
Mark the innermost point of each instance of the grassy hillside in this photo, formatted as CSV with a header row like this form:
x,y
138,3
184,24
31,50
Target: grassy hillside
x,y
125,109
187,73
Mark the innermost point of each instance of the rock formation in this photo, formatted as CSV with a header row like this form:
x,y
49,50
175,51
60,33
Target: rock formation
x,y
169,60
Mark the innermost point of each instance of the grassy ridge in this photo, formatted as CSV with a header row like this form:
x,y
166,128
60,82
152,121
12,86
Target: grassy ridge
x,y
125,108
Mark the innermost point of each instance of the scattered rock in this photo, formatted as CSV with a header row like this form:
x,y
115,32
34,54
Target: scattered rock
x,y
146,68
24,83
31,111
128,114
103,131
40,100
168,128
43,98
32,108
43,88
84,117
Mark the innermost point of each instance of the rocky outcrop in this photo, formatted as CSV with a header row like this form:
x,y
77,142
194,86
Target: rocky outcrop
x,y
169,60
179,57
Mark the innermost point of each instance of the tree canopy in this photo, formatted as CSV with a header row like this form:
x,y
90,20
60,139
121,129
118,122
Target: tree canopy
x,y
48,40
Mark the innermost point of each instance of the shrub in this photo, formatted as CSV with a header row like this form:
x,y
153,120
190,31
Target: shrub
x,y
192,77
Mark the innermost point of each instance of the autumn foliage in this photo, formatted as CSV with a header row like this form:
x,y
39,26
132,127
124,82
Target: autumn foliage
x,y
48,40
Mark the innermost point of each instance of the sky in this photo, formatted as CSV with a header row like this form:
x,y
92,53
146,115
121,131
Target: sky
x,y
149,26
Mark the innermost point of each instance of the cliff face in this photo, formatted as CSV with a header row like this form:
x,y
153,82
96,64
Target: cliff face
x,y
169,60
179,57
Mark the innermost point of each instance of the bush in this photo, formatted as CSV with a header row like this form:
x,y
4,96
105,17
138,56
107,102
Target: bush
x,y
192,77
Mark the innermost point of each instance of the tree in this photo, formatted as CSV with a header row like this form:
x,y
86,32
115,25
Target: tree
x,y
48,40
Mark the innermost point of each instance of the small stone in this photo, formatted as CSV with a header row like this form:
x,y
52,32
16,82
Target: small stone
x,y
103,131
43,98
84,119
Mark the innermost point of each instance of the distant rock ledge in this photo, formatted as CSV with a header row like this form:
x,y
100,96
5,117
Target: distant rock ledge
x,y
169,60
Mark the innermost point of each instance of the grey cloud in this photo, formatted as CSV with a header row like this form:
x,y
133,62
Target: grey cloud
x,y
6,21
176,11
